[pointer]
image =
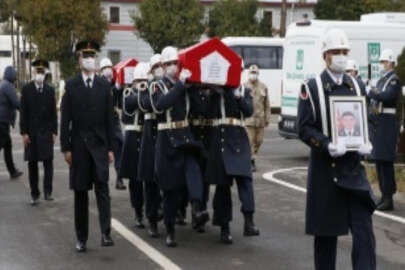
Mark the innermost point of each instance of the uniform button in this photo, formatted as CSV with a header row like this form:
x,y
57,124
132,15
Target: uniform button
x,y
222,130
222,150
222,140
335,180
237,150
333,165
171,138
187,140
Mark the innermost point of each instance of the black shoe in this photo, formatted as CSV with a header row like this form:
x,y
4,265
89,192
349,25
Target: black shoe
x,y
386,205
253,166
120,185
106,240
250,228
48,197
139,223
180,219
34,201
153,229
81,247
170,240
226,237
160,215
16,174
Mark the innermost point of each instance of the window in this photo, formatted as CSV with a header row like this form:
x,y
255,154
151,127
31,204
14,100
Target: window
x,y
115,56
238,50
5,53
268,17
265,57
114,15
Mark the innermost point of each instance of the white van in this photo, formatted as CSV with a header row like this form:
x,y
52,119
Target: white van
x,y
5,54
303,57
267,54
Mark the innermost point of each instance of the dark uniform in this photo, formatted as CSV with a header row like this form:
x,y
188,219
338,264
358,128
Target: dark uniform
x,y
87,132
177,152
133,120
38,120
385,132
339,196
229,158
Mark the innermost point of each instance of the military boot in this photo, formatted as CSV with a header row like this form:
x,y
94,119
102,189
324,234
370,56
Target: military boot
x,y
139,219
180,218
200,217
387,204
250,228
119,185
170,238
254,166
153,229
226,236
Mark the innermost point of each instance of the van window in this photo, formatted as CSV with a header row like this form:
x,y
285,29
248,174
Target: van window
x,y
265,57
5,53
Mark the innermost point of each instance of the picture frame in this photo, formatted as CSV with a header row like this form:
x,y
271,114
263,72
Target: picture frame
x,y
349,121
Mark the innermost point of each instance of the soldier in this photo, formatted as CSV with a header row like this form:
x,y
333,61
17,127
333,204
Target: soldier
x,y
229,157
86,141
38,127
339,195
352,69
385,132
176,149
106,72
132,143
261,112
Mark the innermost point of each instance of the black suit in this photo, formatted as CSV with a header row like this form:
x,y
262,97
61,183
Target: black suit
x,y
87,132
38,120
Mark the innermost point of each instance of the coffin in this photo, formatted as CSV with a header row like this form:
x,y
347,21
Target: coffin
x,y
124,71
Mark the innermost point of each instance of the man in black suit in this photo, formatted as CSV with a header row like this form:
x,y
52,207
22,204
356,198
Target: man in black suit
x,y
38,127
350,126
86,141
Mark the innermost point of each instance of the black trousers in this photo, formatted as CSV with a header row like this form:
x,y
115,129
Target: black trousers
x,y
33,174
136,196
222,202
171,204
363,249
194,179
82,210
386,178
8,155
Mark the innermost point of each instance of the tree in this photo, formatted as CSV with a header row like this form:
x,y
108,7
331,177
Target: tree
x,y
266,25
55,27
234,18
349,9
169,22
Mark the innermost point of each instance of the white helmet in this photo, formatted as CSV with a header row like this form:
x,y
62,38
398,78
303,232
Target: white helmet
x,y
155,59
169,54
335,39
352,65
387,55
105,62
141,71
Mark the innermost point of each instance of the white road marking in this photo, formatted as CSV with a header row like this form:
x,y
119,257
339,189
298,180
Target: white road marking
x,y
269,176
143,246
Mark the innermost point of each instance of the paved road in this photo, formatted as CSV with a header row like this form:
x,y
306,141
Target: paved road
x,y
42,237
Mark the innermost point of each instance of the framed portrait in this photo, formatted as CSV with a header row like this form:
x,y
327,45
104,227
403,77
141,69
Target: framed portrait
x,y
349,121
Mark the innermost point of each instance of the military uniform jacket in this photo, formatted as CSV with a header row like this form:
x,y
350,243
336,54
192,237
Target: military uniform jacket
x,y
38,119
173,144
385,131
133,123
87,130
261,105
330,180
229,149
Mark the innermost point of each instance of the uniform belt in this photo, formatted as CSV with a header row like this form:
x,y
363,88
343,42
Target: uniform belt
x,y
203,122
389,110
228,122
173,125
133,128
150,116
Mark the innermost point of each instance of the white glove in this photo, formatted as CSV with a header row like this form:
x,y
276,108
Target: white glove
x,y
365,149
337,150
184,75
237,92
402,129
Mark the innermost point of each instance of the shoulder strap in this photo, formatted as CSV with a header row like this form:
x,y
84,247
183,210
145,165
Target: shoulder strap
x,y
187,104
127,92
387,82
310,99
322,105
356,86
151,90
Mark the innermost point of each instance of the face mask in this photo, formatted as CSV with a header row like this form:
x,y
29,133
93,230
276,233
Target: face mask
x,y
39,78
150,77
89,64
253,77
158,72
171,70
339,63
107,72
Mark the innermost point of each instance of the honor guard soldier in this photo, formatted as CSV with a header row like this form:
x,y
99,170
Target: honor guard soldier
x,y
261,112
106,72
132,142
87,142
229,157
385,132
352,69
339,195
177,151
38,127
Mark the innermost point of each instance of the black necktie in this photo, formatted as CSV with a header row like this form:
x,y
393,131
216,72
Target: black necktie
x,y
88,81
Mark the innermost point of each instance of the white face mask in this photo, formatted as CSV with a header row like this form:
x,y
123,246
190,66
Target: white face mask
x,y
108,73
253,77
171,70
158,72
39,78
89,64
339,63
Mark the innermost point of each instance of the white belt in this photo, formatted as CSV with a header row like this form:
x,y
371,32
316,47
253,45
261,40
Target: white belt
x,y
228,122
150,116
173,125
133,128
203,122
389,110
